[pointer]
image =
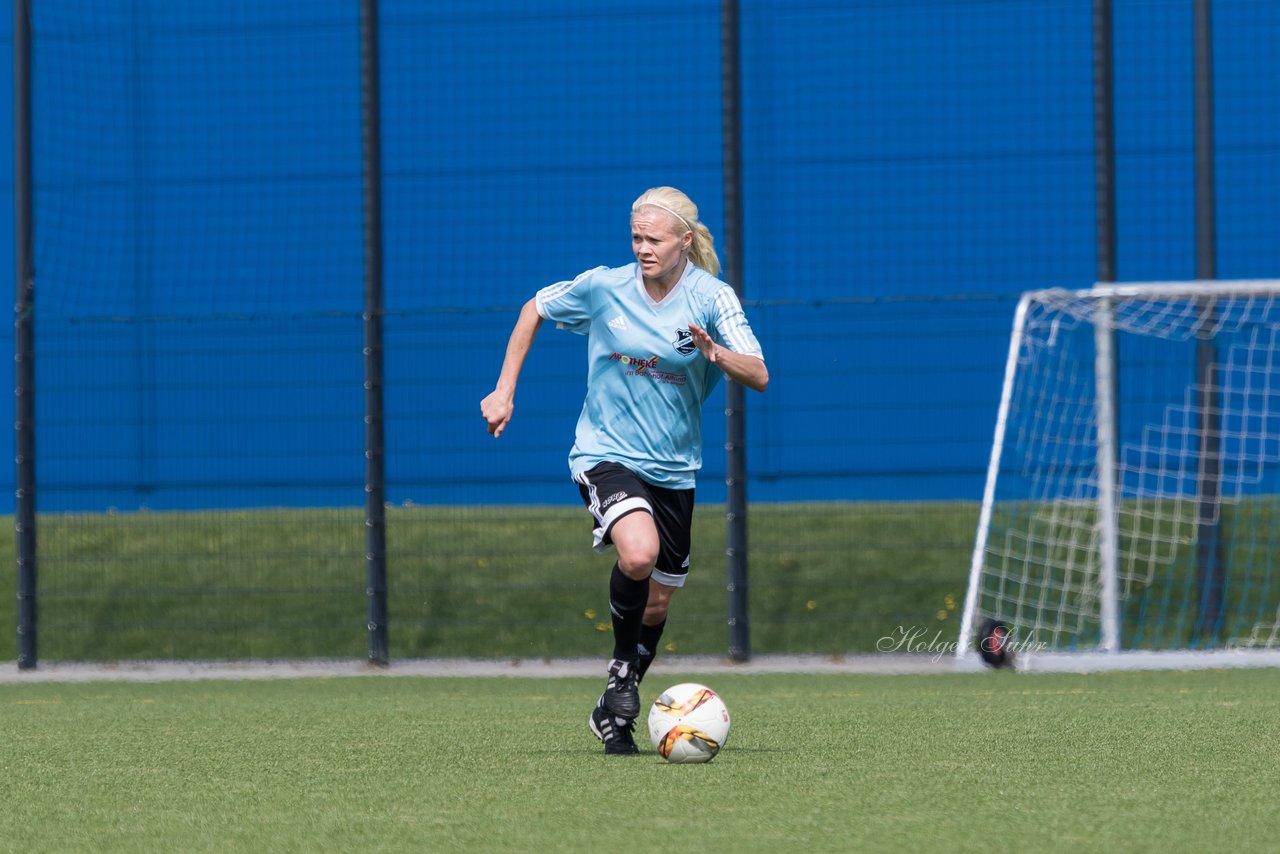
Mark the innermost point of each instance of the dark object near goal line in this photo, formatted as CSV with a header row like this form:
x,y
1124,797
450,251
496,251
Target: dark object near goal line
x,y
994,644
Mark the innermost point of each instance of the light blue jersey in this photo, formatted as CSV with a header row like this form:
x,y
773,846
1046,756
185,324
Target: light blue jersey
x,y
646,381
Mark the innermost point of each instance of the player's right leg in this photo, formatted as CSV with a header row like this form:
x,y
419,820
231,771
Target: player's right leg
x,y
673,517
619,502
635,536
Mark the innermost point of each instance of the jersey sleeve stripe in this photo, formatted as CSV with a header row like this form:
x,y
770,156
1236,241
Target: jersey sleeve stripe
x,y
551,293
732,324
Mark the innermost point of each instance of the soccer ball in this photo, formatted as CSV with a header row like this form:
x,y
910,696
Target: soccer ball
x,y
688,723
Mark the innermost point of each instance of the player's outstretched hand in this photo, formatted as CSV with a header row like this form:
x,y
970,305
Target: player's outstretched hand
x,y
709,349
496,409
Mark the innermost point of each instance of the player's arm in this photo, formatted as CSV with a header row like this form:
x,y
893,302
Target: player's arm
x,y
499,403
748,370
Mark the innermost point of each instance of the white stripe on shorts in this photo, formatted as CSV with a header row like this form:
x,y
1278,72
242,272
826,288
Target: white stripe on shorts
x,y
669,580
673,580
604,521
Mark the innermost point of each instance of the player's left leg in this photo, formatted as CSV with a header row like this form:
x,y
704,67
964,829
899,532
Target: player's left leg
x,y
654,621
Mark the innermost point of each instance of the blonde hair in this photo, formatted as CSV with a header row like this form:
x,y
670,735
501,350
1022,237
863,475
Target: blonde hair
x,y
684,212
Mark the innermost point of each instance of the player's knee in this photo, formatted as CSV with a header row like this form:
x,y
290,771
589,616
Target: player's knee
x,y
637,562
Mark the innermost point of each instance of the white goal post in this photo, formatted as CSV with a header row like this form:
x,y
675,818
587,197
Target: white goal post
x,y
1132,499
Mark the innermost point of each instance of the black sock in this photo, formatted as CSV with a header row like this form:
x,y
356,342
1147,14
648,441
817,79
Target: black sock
x,y
627,600
648,648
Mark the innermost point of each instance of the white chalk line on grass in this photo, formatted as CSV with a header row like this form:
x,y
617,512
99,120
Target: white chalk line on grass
x,y
887,663
527,668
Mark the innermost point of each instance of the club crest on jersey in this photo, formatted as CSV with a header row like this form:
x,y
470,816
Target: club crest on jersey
x,y
684,342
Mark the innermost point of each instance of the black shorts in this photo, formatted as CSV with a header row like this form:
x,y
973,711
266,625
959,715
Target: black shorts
x,y
611,491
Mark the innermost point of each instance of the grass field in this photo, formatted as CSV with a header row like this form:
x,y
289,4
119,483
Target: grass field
x,y
474,581
1152,761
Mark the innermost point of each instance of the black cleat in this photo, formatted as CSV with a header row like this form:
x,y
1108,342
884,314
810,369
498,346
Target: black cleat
x,y
615,732
622,696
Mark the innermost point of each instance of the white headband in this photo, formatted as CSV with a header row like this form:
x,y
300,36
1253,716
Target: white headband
x,y
668,210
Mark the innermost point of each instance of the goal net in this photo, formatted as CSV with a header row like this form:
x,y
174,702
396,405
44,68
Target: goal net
x,y
1133,491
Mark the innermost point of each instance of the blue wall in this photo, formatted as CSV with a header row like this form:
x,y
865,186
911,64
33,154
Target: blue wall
x,y
199,247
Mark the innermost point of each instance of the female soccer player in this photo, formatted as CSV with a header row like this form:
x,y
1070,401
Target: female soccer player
x,y
660,333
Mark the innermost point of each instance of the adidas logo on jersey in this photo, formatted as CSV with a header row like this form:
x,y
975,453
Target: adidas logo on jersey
x,y
619,323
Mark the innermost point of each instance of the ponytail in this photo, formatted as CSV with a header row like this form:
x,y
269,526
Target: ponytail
x,y
702,251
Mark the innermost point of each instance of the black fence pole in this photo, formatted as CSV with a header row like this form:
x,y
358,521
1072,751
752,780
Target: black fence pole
x,y
375,469
1104,183
24,420
1206,204
735,399
1104,147
1209,565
